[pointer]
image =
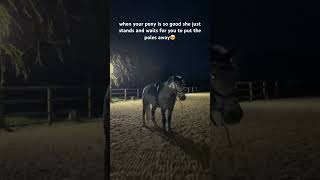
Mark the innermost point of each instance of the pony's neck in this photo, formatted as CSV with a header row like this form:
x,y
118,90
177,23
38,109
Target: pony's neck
x,y
171,87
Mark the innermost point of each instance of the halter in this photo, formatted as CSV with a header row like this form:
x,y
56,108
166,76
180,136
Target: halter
x,y
175,86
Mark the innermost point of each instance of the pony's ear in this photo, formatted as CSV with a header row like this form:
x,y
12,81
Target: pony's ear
x,y
175,78
171,78
178,78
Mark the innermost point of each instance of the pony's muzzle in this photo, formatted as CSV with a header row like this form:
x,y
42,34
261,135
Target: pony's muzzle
x,y
182,97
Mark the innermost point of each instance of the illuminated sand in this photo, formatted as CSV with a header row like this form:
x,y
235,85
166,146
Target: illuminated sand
x,y
277,139
147,153
63,151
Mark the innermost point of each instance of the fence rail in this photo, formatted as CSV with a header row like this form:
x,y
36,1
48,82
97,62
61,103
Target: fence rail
x,y
50,97
252,90
130,93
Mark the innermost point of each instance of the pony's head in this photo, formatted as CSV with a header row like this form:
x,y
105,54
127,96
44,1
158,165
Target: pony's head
x,y
176,84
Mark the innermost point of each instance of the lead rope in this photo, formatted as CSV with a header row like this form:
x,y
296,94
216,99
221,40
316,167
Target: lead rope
x,y
224,125
175,88
227,132
181,107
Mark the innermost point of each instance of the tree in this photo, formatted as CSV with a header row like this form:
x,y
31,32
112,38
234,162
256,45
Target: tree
x,y
123,70
17,16
9,54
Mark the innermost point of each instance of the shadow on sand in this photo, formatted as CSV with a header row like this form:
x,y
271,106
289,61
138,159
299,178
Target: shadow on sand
x,y
195,150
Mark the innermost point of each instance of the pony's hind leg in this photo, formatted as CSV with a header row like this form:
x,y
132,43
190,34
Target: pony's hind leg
x,y
153,118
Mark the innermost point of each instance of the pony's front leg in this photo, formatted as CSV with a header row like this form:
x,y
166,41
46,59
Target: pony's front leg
x,y
168,120
150,112
163,115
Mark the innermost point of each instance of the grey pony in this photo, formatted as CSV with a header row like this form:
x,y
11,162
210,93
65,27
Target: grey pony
x,y
162,95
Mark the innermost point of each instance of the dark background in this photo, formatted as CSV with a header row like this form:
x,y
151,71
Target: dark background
x,y
85,61
276,40
187,56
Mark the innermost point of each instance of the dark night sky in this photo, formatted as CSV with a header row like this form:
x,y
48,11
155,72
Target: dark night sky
x,y
275,39
188,55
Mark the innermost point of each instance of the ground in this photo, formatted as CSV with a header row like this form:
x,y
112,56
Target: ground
x,y
63,151
147,153
276,139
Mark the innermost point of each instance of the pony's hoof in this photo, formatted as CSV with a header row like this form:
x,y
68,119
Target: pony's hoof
x,y
154,123
9,130
169,132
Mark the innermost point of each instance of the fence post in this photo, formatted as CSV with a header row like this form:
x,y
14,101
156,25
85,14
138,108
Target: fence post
x,y
196,89
192,89
49,105
125,94
251,91
89,102
137,93
264,84
276,85
188,90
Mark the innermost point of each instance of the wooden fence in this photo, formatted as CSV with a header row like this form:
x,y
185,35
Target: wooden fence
x,y
127,93
51,97
251,90
48,96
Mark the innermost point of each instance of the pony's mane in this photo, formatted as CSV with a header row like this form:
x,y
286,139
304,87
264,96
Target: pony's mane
x,y
175,78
